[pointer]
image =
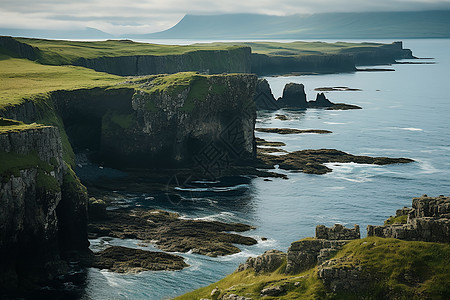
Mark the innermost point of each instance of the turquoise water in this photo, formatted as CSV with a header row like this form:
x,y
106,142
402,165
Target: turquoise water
x,y
405,114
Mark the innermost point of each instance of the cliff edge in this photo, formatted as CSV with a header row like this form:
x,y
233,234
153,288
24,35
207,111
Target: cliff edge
x,y
38,193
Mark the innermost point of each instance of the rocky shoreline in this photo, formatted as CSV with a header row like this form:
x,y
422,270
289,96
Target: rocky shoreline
x,y
171,233
312,161
337,263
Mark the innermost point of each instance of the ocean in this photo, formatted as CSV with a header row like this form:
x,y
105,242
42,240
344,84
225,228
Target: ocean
x,y
406,113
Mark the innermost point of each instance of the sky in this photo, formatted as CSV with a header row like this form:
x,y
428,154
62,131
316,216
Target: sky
x,y
146,16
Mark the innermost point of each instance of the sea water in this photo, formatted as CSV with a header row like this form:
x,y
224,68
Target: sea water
x,y
405,114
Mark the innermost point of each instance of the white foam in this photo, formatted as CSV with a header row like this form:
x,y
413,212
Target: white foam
x,y
427,167
411,129
335,123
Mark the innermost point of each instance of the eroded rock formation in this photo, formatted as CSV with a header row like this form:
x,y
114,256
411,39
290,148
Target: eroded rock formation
x,y
293,96
428,220
264,99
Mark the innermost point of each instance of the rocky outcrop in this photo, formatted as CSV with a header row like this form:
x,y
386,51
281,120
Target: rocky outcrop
x,y
171,233
128,260
293,96
428,220
235,60
321,101
269,261
264,99
340,276
37,209
337,232
292,130
312,161
305,254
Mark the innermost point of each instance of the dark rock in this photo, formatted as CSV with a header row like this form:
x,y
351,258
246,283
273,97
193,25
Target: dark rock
x,y
311,161
36,228
171,233
428,220
337,232
270,150
335,88
281,117
127,260
97,208
343,106
269,261
293,96
321,101
291,130
264,98
217,114
263,142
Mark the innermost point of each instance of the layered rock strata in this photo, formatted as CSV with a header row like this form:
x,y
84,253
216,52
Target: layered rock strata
x,y
428,220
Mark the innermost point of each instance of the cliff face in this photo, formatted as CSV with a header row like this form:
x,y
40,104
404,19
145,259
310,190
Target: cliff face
x,y
276,64
205,61
161,121
180,120
178,124
380,55
18,49
32,190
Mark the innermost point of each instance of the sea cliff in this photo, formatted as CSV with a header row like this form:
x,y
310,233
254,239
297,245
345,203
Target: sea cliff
x,y
43,211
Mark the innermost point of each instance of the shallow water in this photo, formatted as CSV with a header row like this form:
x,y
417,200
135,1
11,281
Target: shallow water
x,y
405,114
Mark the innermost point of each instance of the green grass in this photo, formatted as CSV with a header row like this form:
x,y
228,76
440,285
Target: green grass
x,y
174,84
12,163
47,183
57,52
408,268
388,260
249,284
299,47
23,79
396,220
8,126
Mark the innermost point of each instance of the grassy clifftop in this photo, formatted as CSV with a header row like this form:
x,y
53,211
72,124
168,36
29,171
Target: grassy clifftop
x,y
22,78
299,47
58,52
394,269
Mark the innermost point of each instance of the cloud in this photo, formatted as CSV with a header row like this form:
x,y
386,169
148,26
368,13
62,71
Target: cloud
x,y
144,16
